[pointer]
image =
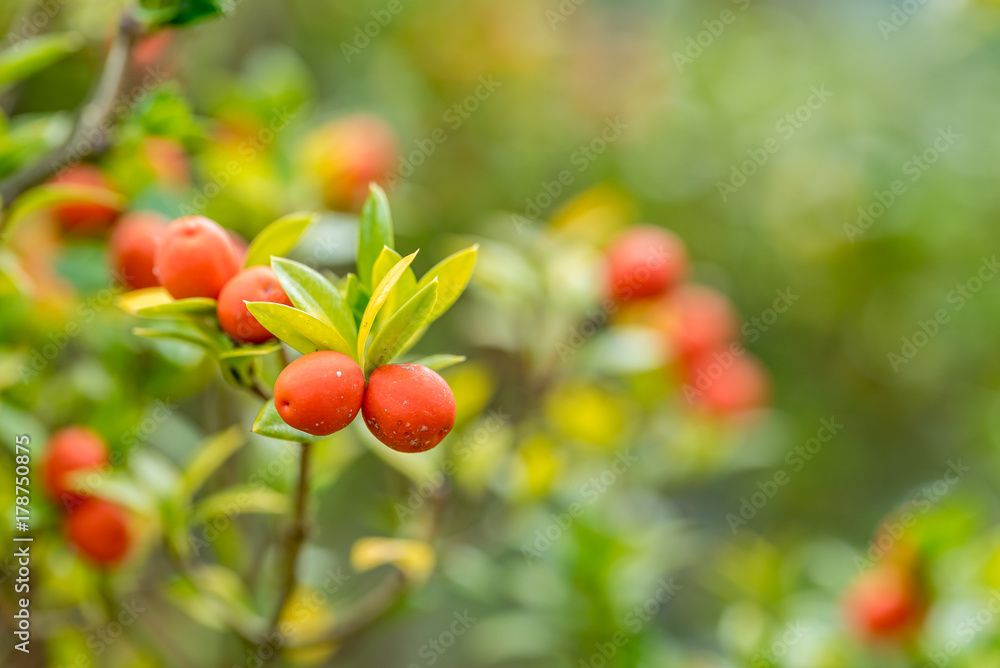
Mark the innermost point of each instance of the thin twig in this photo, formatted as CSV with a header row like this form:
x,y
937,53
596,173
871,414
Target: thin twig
x,y
295,537
95,118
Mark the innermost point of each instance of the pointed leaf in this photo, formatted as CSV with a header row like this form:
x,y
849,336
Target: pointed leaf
x,y
439,362
187,332
453,273
278,238
355,296
378,298
374,234
405,287
311,292
306,333
32,55
136,300
195,306
390,340
270,424
238,501
251,351
210,457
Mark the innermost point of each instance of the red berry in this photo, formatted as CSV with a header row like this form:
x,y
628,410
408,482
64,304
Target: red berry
x,y
70,450
100,531
320,393
697,319
195,258
408,407
884,603
353,152
132,248
725,383
643,262
79,216
256,284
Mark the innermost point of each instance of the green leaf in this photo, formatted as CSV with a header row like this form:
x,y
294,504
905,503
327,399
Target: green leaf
x,y
374,234
32,55
46,196
181,331
240,500
397,332
211,455
453,273
178,12
356,296
378,298
181,308
136,300
269,423
278,238
311,292
439,362
251,351
405,288
306,333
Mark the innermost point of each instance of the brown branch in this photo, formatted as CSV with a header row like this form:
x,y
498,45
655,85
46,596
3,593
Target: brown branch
x,y
96,117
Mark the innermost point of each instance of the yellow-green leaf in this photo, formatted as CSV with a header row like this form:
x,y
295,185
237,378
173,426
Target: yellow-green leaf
x,y
238,501
302,331
32,55
194,306
453,274
311,292
397,332
210,457
278,238
379,295
405,287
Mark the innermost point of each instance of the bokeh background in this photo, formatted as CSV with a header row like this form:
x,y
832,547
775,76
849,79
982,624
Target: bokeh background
x,y
768,135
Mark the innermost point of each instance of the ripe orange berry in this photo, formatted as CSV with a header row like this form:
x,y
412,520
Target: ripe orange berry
x,y
645,261
725,383
408,407
256,284
84,217
697,319
885,603
132,248
100,531
320,393
349,154
195,258
70,450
